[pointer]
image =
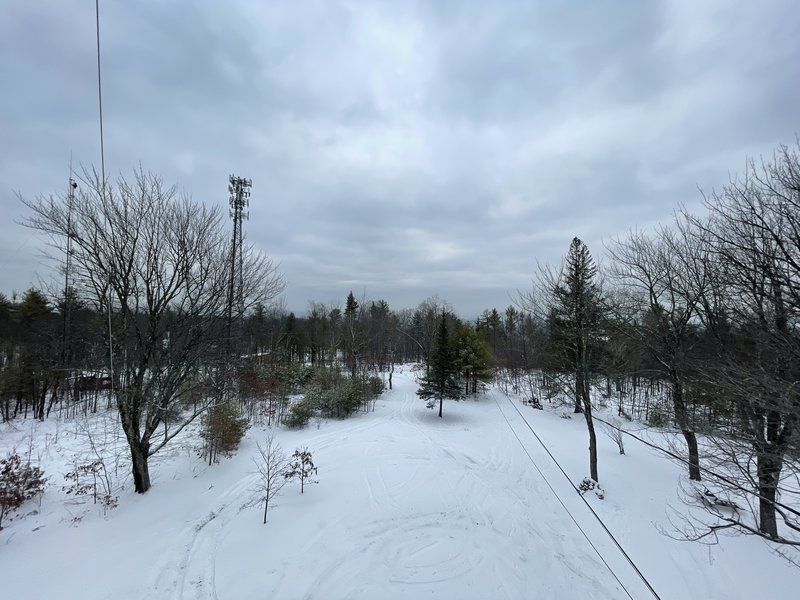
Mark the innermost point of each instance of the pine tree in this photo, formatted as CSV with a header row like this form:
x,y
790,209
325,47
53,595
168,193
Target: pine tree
x,y
473,357
575,321
351,333
442,380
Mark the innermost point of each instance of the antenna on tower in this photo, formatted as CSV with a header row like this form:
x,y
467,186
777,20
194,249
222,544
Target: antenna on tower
x,y
239,190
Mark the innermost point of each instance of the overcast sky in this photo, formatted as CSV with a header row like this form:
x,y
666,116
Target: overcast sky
x,y
399,149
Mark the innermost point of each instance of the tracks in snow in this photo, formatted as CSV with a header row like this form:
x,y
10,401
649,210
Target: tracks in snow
x,y
437,515
193,575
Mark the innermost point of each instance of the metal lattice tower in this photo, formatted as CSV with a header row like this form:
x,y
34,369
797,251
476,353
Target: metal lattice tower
x,y
65,353
239,189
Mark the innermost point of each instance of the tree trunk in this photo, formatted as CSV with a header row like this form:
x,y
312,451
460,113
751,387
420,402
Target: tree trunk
x,y
587,412
54,397
40,400
441,400
592,447
769,470
140,467
694,455
769,460
682,418
578,393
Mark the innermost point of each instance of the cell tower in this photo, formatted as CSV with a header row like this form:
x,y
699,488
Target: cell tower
x,y
65,353
239,189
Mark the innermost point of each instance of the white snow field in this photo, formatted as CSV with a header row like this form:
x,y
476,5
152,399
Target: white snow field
x,y
407,506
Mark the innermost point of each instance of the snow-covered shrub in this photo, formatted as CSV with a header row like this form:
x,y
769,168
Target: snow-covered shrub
x,y
18,484
295,376
533,402
712,501
614,431
301,467
588,485
375,386
299,414
92,479
337,396
657,418
223,429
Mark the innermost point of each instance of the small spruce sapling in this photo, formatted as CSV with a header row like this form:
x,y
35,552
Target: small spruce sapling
x,y
301,467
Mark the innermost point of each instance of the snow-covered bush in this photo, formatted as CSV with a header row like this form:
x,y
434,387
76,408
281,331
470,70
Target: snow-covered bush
x,y
336,396
18,483
301,467
614,430
299,414
657,418
223,429
92,479
588,485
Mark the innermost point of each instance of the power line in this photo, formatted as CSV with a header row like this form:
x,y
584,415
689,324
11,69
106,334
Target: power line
x,y
589,506
706,470
561,502
103,180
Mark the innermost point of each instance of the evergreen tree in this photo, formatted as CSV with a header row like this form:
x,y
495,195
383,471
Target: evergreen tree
x,y
575,326
442,380
351,332
473,357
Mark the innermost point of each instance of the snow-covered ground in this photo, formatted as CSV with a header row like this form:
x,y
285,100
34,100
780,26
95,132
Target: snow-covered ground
x,y
407,506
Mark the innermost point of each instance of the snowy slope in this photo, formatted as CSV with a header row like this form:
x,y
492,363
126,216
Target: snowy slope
x,y
407,506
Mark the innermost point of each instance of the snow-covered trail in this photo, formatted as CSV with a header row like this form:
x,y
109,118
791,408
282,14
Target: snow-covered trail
x,y
408,506
585,523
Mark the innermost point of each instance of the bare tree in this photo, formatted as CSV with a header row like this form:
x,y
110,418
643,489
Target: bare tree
x,y
271,463
156,263
663,278
753,311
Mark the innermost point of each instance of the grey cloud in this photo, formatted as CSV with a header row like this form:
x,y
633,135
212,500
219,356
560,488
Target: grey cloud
x,y
402,149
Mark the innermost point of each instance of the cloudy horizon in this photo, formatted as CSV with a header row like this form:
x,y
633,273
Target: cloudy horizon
x,y
400,150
